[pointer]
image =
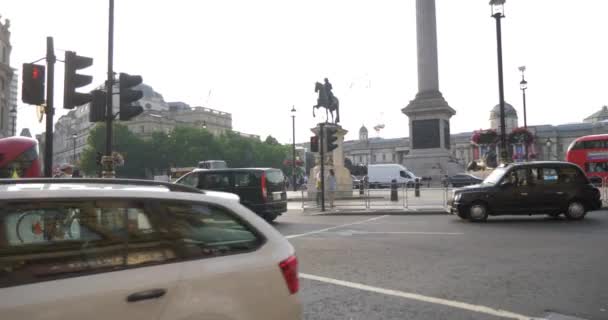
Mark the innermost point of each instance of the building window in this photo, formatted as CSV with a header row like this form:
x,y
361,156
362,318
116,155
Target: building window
x,y
143,129
374,158
384,157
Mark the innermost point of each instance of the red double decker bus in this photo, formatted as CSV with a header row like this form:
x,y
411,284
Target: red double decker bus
x,y
19,158
591,154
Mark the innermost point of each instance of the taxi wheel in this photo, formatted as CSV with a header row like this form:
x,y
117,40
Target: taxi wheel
x,y
478,212
576,210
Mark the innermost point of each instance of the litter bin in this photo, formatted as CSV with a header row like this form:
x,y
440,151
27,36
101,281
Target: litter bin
x,y
417,188
394,193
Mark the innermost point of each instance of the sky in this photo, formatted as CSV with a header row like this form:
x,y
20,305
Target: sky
x,y
257,59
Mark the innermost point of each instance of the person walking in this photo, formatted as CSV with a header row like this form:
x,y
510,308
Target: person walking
x,y
333,186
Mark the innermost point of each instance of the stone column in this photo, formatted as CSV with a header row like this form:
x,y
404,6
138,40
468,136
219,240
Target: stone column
x,y
426,36
429,114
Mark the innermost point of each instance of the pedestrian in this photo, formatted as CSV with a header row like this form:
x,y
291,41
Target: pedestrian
x,y
333,186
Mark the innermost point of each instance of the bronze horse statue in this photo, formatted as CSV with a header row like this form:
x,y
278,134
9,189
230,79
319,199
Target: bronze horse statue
x,y
330,104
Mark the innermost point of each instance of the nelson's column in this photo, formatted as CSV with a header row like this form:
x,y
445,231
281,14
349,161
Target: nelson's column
x,y
429,114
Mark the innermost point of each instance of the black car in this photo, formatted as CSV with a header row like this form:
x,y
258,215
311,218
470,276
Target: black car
x,y
262,190
548,187
463,179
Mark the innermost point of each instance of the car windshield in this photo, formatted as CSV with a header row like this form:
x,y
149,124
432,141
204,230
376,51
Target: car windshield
x,y
495,176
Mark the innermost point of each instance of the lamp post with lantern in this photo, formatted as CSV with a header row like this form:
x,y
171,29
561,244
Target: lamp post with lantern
x,y
498,12
293,147
523,85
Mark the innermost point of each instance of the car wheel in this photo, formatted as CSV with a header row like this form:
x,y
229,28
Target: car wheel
x,y
478,212
270,217
576,210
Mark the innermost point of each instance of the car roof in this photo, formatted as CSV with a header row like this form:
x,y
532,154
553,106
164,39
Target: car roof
x,y
540,163
46,188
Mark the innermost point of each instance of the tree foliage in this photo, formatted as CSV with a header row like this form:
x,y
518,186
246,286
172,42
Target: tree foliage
x,y
183,147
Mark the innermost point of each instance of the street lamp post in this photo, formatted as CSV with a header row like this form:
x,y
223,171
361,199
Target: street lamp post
x,y
498,13
74,136
293,145
523,85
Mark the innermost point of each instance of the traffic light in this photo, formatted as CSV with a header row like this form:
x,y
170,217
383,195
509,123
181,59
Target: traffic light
x,y
128,95
97,107
331,138
73,80
32,86
314,144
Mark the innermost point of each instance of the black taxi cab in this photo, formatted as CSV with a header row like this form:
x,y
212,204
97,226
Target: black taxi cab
x,y
543,187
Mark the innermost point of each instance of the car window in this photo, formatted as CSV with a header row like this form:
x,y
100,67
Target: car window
x,y
219,180
244,179
570,175
202,230
544,176
275,176
191,179
49,240
519,177
404,174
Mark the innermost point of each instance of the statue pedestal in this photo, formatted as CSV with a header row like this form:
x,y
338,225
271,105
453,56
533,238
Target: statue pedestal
x,y
333,160
429,123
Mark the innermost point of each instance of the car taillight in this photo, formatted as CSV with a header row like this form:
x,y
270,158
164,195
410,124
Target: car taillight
x,y
289,268
264,191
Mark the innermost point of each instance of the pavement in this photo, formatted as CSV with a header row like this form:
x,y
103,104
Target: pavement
x,y
440,267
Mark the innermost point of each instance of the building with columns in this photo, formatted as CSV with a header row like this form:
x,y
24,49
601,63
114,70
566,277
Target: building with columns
x,y
550,141
6,78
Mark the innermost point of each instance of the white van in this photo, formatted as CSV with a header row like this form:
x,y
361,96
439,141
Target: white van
x,y
381,175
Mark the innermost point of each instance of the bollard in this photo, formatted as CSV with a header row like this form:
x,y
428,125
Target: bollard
x,y
361,187
417,188
394,195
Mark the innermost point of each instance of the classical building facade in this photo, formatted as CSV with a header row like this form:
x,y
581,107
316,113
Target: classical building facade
x,y
72,130
550,141
6,78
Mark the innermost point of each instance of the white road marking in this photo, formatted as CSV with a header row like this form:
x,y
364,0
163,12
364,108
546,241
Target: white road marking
x,y
423,298
334,227
406,232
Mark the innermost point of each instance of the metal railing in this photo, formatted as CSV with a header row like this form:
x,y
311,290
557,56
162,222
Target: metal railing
x,y
402,197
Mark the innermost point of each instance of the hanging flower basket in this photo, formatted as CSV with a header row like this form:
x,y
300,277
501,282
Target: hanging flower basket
x,y
521,136
484,137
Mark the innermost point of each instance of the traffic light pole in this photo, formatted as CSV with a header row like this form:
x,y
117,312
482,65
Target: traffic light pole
x,y
50,109
322,154
107,163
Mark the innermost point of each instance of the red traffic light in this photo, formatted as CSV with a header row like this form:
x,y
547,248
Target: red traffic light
x,y
35,73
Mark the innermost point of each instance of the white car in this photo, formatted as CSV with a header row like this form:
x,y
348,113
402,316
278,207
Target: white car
x,y
128,249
